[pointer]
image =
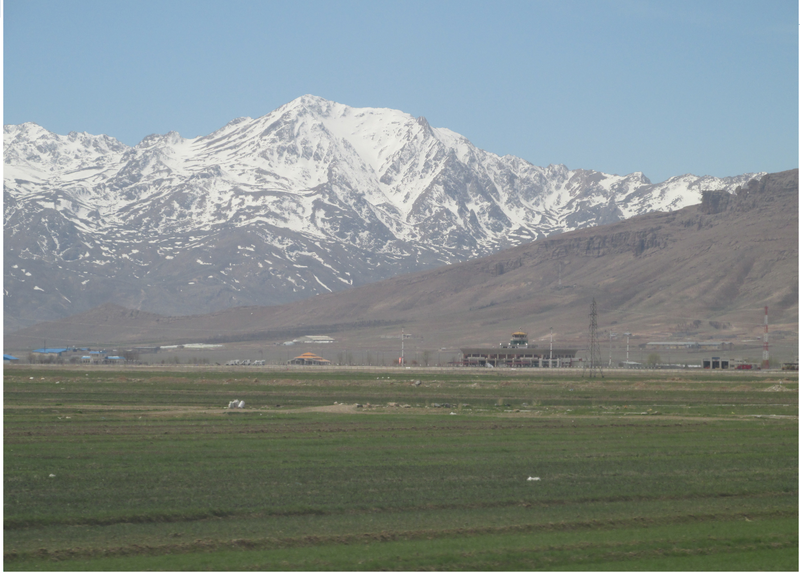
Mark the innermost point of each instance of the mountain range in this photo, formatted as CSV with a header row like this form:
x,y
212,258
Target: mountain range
x,y
702,272
313,198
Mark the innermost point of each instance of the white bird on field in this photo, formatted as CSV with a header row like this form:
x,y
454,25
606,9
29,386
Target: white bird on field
x,y
534,479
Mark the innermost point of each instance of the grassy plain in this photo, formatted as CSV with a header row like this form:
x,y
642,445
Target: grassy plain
x,y
141,469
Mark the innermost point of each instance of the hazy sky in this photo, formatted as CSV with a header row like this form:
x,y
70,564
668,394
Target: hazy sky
x,y
665,87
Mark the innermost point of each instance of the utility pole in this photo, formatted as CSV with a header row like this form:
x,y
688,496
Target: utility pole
x,y
402,346
594,346
550,364
765,356
628,349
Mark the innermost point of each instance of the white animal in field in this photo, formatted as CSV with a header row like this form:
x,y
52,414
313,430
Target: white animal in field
x,y
534,479
241,404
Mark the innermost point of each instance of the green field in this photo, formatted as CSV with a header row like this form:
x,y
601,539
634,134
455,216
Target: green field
x,y
145,469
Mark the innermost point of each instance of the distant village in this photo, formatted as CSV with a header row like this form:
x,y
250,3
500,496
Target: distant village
x,y
518,352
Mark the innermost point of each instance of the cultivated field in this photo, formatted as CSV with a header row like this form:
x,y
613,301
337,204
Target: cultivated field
x,y
146,468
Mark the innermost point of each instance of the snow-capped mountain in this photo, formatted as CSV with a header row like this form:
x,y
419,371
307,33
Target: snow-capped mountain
x,y
312,198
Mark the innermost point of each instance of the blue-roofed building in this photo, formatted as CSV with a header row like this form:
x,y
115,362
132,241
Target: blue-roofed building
x,y
9,358
49,355
58,351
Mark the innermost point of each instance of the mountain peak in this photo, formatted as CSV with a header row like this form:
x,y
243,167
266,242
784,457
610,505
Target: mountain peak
x,y
311,104
155,139
27,131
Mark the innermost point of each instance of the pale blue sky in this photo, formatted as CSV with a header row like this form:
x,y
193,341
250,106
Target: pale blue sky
x,y
666,87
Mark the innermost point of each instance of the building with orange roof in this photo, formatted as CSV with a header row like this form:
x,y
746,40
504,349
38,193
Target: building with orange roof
x,y
309,359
